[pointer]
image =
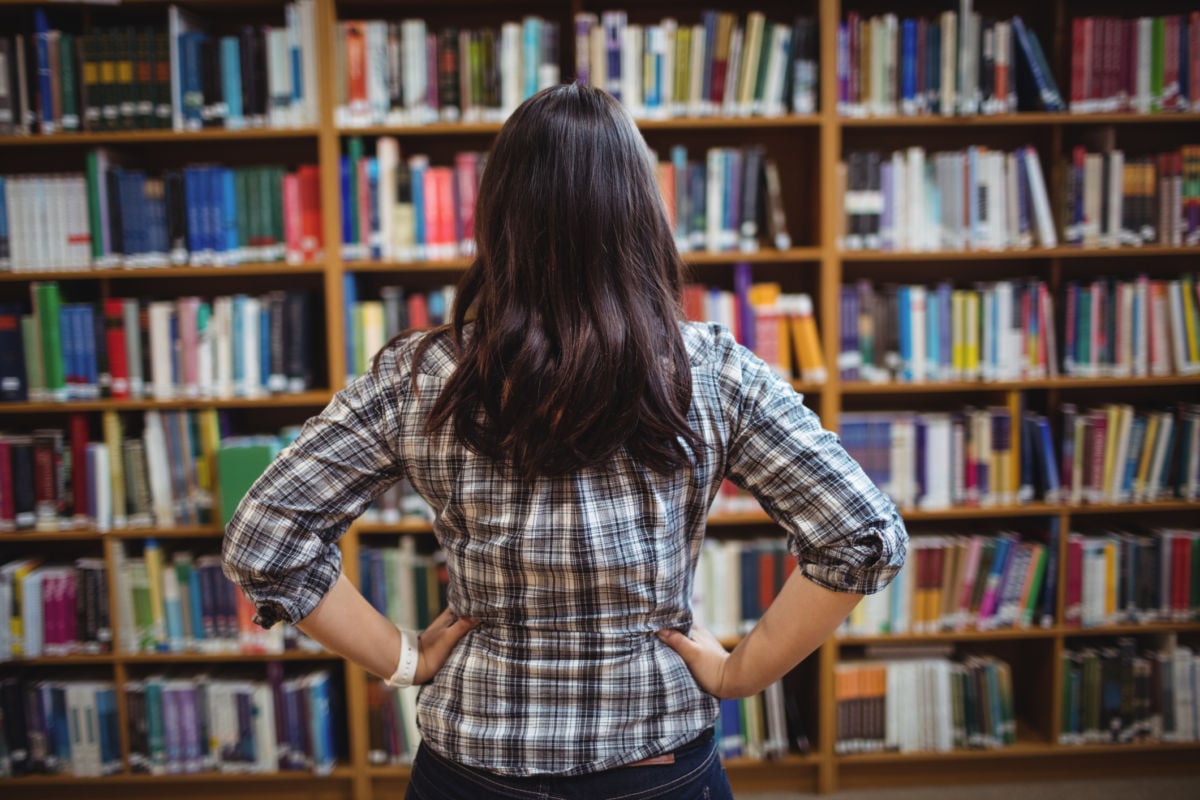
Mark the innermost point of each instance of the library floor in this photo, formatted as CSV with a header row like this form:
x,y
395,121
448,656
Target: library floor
x,y
1173,788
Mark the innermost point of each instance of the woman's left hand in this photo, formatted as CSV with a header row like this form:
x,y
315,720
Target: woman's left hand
x,y
437,641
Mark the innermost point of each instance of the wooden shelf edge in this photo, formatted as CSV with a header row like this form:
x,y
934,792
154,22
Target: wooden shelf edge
x,y
944,637
156,135
316,397
645,124
240,271
693,258
338,773
1032,384
880,256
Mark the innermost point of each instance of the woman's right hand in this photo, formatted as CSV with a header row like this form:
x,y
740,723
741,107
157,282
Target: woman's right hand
x,y
707,659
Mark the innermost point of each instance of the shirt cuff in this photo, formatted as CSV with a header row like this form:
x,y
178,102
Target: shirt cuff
x,y
865,566
294,596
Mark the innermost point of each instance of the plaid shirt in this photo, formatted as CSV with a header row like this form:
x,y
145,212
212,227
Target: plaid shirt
x,y
570,577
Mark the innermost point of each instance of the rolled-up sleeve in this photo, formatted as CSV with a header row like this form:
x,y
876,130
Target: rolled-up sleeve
x,y
280,546
844,531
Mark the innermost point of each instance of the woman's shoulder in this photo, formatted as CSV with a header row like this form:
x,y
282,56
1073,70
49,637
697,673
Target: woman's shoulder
x,y
428,352
707,342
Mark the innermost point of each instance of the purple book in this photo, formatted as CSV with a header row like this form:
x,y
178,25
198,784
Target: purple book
x,y
921,436
742,281
848,362
945,336
172,728
189,724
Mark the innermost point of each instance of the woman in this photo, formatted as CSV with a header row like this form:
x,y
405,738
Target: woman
x,y
570,432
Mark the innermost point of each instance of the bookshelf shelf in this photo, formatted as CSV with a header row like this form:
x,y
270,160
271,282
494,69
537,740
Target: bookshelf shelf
x,y
949,636
28,537
1015,255
47,661
221,658
673,123
156,136
339,773
862,388
298,400
242,270
1132,508
1032,118
1018,750
796,254
1126,630
1131,747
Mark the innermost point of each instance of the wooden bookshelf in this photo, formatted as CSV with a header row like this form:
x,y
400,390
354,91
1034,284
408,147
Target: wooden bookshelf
x,y
813,217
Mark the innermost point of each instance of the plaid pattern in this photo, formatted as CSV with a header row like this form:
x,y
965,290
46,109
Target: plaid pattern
x,y
570,577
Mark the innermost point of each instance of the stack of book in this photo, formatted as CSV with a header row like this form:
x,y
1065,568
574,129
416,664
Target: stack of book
x,y
721,65
731,201
406,585
1112,201
964,200
957,64
1144,65
964,582
1128,578
53,609
922,700
59,727
129,348
185,724
173,75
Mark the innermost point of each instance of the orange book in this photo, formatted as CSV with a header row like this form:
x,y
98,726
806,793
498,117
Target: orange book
x,y
805,339
356,64
665,172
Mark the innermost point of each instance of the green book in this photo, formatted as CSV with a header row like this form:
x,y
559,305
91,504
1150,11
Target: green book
x,y
246,213
156,736
69,84
143,615
759,87
95,217
1158,39
276,202
360,357
240,462
262,191
1035,588
35,378
47,309
354,151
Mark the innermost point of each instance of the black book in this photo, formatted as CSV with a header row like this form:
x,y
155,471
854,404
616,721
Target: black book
x,y
752,188
176,206
212,113
448,76
254,74
116,229
395,50
489,58
127,77
16,731
278,339
13,385
873,220
7,93
109,46
298,342
20,450
103,371
161,55
144,80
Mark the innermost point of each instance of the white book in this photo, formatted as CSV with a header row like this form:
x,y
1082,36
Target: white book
x,y
266,750
162,384
914,198
310,109
727,575
1141,98
669,32
251,347
902,457
938,433
1041,202
158,469
1177,315
780,46
1125,334
510,67
33,622
98,458
733,75
752,52
222,347
715,189
387,151
597,55
1012,237
378,95
968,59
631,69
1112,225
279,79
949,72
697,103
901,231
416,71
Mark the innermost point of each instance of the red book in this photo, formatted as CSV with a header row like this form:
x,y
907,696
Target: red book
x,y
1171,64
293,219
1181,580
70,600
720,61
418,311
356,65
766,579
1074,609
466,175
1097,435
1084,46
364,205
1194,60
447,236
310,212
433,206
78,427
46,498
114,330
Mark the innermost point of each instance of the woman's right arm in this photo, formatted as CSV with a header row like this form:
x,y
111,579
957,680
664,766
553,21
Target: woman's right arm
x,y
846,534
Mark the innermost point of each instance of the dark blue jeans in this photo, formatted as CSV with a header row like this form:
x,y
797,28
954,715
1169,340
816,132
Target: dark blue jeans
x,y
697,774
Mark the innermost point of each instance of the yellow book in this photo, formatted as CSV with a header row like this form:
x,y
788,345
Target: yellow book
x,y
806,340
1144,458
1112,413
1077,460
113,436
209,436
958,333
971,346
154,574
18,571
1189,320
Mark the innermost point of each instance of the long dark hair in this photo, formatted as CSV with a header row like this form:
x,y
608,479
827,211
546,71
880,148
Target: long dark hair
x,y
574,294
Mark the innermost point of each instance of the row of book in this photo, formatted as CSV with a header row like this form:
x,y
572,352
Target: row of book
x,y
53,610
964,582
182,603
923,700
1007,330
972,199
1145,64
370,323
763,726
732,201
405,73
985,456
735,582
130,348
174,75
405,208
1124,577
1129,693
1112,201
958,63
59,727
198,216
721,65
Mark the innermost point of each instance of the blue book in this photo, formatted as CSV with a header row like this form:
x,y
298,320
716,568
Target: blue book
x,y
231,82
214,213
614,29
678,160
197,604
730,743
322,724
1034,79
191,199
945,336
531,54
908,66
742,281
437,309
374,239
418,166
748,561
87,335
976,233
238,324
709,20
348,232
41,29
904,322
731,225
191,78
264,347
229,213
59,731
